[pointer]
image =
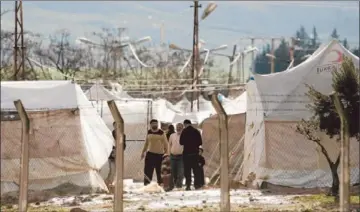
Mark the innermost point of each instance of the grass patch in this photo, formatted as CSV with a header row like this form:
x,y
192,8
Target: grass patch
x,y
323,199
36,209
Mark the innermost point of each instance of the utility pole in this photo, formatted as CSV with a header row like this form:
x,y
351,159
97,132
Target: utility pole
x,y
272,53
162,33
242,68
292,48
252,55
19,51
232,57
195,55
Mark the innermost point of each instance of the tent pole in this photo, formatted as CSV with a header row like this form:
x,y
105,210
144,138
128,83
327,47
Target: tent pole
x,y
101,111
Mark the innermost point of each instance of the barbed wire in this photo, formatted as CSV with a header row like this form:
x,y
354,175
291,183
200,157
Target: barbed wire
x,y
128,87
90,106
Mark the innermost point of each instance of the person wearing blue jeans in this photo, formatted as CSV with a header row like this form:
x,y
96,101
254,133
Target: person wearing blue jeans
x,y
178,170
176,158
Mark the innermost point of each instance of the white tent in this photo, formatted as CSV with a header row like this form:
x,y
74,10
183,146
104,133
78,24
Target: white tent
x,y
235,106
236,110
164,111
118,91
69,142
98,92
184,105
274,151
136,114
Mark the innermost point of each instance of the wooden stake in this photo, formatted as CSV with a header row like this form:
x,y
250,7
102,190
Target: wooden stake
x,y
224,154
119,157
24,160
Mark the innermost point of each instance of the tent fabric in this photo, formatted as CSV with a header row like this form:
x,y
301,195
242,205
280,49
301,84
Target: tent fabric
x,y
99,92
164,111
206,110
273,150
117,90
45,95
135,112
211,136
235,106
69,143
283,94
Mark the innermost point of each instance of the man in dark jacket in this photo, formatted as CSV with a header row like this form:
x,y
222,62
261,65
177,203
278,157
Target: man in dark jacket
x,y
191,140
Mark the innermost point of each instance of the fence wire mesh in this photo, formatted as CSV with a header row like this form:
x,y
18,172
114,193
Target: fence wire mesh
x,y
58,157
286,159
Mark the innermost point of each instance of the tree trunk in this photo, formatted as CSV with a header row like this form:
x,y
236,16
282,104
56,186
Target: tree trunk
x,y
334,191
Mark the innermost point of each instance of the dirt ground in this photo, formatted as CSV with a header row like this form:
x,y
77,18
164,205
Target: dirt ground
x,y
202,200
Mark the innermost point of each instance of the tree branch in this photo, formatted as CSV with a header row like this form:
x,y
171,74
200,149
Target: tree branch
x,y
324,151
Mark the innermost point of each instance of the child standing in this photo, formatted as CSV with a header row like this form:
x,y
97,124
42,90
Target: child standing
x,y
166,173
201,163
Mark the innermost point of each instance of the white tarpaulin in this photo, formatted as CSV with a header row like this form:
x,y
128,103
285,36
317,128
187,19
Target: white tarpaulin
x,y
118,91
98,92
164,111
276,102
206,110
69,142
135,112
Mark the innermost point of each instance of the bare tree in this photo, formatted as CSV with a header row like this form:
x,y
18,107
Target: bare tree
x,y
67,58
111,63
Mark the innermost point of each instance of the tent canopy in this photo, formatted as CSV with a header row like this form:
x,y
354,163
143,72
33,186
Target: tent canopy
x,y
50,95
273,149
69,140
283,94
99,92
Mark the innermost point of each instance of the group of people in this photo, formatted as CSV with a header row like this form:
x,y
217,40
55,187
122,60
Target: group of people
x,y
182,148
173,155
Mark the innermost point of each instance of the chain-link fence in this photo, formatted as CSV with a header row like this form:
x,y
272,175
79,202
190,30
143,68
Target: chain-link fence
x,y
285,157
211,145
61,159
137,114
57,148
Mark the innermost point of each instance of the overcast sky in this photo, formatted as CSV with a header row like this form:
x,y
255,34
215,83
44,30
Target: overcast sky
x,y
229,22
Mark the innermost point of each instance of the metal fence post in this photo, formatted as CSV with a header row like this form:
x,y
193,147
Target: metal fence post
x,y
24,160
119,157
224,154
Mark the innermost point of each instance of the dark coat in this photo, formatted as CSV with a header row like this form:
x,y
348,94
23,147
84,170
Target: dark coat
x,y
201,161
191,139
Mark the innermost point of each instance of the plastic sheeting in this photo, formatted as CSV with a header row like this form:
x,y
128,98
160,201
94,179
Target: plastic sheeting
x,y
69,144
273,149
36,95
135,112
99,92
283,94
211,138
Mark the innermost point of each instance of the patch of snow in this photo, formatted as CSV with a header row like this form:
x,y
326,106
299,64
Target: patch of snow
x,y
153,187
153,197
